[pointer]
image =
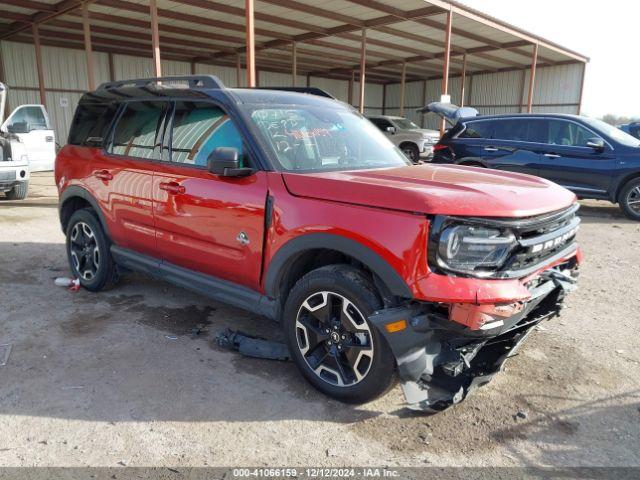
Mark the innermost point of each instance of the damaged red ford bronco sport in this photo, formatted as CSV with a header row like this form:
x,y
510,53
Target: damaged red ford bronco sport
x,y
294,206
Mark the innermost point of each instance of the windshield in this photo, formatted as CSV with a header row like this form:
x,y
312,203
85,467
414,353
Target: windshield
x,y
404,124
612,132
315,139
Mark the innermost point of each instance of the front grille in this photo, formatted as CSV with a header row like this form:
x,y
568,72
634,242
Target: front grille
x,y
541,239
7,176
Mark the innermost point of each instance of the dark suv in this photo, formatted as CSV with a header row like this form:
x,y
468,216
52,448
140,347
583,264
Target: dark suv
x,y
587,156
299,209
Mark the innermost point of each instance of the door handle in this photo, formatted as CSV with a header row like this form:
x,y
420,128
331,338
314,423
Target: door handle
x,y
105,175
172,187
552,155
490,149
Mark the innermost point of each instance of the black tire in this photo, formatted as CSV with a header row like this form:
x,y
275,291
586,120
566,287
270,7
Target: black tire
x,y
630,193
18,192
411,151
105,270
376,366
472,164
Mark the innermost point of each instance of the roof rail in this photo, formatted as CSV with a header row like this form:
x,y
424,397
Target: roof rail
x,y
310,90
194,81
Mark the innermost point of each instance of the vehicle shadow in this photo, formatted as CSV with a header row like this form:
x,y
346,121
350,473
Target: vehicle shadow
x,y
141,351
601,212
565,432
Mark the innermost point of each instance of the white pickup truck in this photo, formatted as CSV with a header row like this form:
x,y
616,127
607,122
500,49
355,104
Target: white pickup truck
x,y
27,144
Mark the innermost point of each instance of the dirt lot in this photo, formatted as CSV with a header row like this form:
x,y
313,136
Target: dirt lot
x,y
116,378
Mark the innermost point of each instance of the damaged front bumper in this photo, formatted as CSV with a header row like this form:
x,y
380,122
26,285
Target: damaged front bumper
x,y
444,352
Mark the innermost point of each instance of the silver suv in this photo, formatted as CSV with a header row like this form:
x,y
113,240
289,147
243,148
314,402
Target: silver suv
x,y
415,142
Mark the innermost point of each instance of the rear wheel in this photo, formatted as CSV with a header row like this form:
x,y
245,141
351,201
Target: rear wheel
x,y
88,251
18,192
330,338
629,199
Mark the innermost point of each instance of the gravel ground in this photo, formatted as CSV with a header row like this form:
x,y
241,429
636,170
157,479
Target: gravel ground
x,y
117,378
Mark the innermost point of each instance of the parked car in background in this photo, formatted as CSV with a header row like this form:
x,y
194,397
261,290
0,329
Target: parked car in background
x,y
29,126
296,208
632,129
415,142
585,155
14,160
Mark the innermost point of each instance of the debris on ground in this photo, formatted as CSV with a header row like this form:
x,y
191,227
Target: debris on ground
x,y
331,452
520,414
170,337
251,346
73,284
197,331
5,351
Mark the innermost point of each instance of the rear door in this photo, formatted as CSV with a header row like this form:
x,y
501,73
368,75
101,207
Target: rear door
x,y
567,160
39,141
471,141
205,222
509,147
122,177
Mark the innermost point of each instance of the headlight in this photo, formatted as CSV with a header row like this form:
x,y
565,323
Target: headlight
x,y
474,250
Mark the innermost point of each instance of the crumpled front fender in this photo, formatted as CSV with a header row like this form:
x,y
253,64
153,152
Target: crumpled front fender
x,y
440,361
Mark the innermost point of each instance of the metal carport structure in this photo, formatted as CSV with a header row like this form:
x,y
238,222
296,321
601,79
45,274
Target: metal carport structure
x,y
379,55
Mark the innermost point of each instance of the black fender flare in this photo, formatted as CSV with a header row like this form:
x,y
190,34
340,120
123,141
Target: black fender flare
x,y
291,250
75,191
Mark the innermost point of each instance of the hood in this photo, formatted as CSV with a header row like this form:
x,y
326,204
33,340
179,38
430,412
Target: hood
x,y
425,132
448,111
436,189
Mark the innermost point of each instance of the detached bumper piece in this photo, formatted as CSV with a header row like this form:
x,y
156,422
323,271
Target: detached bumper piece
x,y
445,352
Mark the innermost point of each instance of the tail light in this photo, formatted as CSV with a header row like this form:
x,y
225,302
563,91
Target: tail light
x,y
438,147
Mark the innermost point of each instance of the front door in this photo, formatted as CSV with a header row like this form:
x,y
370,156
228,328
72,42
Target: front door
x,y
122,178
205,222
566,159
36,135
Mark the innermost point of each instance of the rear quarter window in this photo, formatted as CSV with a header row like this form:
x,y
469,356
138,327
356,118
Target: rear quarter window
x,y
477,130
91,124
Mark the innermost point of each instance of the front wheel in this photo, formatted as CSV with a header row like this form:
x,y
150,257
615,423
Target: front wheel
x,y
411,152
330,338
18,192
630,199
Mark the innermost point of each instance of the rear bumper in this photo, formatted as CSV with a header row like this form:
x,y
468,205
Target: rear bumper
x,y
12,174
446,351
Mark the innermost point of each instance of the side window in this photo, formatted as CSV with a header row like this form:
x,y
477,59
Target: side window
x,y
477,130
381,123
91,122
200,128
138,133
635,131
32,116
561,132
511,129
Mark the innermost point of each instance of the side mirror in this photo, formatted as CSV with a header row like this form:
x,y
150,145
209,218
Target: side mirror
x,y
19,127
596,143
391,130
225,161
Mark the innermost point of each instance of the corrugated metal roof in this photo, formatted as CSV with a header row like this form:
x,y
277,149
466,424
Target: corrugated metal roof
x,y
412,30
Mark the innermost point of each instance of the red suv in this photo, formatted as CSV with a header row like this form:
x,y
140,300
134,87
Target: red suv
x,y
295,207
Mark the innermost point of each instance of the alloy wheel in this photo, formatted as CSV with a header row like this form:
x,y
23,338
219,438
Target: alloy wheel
x,y
84,251
410,154
633,199
334,339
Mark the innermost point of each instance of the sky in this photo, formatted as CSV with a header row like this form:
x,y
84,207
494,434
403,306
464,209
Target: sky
x,y
606,32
